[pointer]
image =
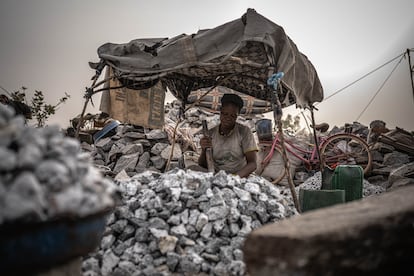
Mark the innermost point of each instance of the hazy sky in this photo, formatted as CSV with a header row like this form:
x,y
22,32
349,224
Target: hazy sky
x,y
46,45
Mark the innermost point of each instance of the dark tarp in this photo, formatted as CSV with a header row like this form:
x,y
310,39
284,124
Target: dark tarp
x,y
240,55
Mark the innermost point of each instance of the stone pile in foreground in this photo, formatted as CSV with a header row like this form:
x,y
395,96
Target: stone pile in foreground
x,y
190,223
185,223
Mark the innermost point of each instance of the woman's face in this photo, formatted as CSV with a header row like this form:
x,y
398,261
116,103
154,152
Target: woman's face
x,y
228,115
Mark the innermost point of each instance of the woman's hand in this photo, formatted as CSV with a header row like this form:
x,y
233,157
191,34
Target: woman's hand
x,y
205,142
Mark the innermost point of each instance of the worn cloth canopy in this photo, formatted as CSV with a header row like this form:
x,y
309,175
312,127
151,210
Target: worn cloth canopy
x,y
241,55
212,101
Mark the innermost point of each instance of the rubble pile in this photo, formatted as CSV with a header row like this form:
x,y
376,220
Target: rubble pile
x,y
134,149
392,153
44,175
177,222
185,223
189,223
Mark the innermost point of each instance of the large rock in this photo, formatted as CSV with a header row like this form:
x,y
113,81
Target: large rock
x,y
372,236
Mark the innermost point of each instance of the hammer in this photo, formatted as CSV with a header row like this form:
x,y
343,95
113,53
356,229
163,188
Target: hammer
x,y
209,152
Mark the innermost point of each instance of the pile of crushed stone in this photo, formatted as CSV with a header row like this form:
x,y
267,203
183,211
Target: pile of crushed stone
x,y
190,223
185,223
45,175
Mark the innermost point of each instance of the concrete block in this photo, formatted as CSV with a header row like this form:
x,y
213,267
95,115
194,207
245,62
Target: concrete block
x,y
372,236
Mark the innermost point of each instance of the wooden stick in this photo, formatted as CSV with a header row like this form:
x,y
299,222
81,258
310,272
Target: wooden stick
x,y
315,138
277,116
88,96
209,153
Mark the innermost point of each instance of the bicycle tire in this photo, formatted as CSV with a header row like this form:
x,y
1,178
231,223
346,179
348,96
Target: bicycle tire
x,y
346,149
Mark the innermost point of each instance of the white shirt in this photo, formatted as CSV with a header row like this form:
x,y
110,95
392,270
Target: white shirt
x,y
229,150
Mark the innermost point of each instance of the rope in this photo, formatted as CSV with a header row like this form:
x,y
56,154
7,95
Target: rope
x,y
382,85
364,76
7,92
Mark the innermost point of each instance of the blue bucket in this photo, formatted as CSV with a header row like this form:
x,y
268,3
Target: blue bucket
x,y
32,247
264,130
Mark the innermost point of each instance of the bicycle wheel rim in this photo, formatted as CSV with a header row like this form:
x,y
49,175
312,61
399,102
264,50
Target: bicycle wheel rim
x,y
346,149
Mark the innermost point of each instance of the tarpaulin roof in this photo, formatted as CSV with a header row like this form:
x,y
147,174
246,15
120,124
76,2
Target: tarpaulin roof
x,y
241,55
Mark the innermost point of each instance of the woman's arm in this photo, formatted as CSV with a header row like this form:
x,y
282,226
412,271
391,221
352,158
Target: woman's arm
x,y
250,166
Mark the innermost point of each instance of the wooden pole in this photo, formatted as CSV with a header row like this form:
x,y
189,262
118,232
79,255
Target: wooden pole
x,y
209,153
287,163
88,97
315,138
277,115
411,70
167,166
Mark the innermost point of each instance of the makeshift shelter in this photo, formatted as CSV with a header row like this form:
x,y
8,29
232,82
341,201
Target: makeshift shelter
x,y
239,55
242,55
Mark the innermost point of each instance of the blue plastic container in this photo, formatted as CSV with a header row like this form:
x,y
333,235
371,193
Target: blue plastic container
x,y
264,130
105,130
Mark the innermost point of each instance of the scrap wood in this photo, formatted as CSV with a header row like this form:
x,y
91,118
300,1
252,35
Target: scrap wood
x,y
396,144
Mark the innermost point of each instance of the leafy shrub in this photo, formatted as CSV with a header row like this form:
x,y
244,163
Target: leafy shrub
x,y
40,111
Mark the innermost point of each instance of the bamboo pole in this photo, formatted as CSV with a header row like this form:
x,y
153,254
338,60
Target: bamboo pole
x,y
277,115
315,138
411,70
